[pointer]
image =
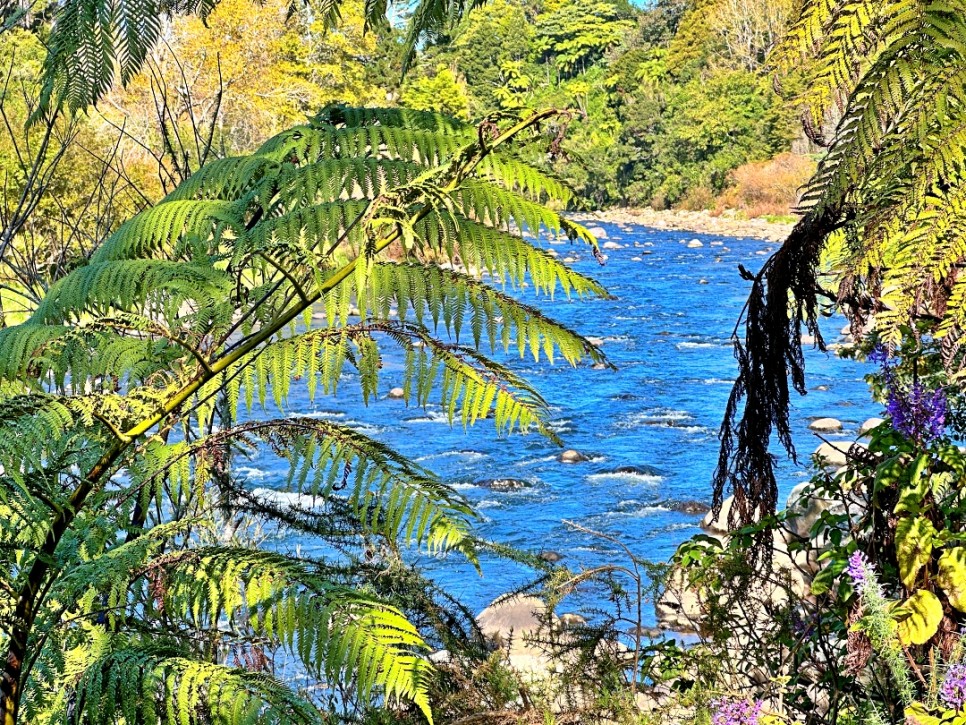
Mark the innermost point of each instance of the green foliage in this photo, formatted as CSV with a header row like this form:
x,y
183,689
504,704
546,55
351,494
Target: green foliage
x,y
119,432
572,35
894,155
651,128
441,93
693,135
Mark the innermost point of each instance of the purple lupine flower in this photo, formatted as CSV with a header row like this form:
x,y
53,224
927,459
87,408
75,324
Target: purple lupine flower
x,y
858,569
727,711
953,690
917,413
879,354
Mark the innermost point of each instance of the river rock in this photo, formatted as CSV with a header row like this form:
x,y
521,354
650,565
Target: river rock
x,y
503,484
680,608
551,557
511,618
695,244
572,456
397,394
612,245
519,625
834,454
804,510
718,524
598,232
869,425
688,507
572,620
825,425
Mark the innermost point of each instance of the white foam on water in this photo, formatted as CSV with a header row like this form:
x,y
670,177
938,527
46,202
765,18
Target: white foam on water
x,y
626,476
695,345
642,512
292,498
531,461
654,417
250,472
489,503
320,414
467,455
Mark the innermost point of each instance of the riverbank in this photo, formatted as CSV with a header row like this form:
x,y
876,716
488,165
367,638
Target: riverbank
x,y
701,222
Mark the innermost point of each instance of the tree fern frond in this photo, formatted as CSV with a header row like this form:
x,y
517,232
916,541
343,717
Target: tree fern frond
x,y
159,684
332,631
133,285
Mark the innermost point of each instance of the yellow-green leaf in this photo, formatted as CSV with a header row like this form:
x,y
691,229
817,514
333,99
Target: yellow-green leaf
x,y
917,713
914,540
952,576
918,617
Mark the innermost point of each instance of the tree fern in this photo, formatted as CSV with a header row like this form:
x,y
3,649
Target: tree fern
x,y
131,575
885,206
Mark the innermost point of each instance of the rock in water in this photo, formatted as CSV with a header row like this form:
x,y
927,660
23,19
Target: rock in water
x,y
825,425
833,455
572,620
612,245
689,507
572,456
397,393
551,557
870,425
598,232
503,484
695,243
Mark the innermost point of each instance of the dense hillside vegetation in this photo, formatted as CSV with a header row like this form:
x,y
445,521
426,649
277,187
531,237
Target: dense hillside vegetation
x,y
671,99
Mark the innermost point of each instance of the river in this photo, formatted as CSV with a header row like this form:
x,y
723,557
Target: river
x,y
668,331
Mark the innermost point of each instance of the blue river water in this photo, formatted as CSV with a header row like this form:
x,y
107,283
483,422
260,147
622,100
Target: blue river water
x,y
668,331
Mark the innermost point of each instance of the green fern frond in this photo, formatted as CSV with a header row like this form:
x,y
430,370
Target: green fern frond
x,y
164,685
332,631
132,285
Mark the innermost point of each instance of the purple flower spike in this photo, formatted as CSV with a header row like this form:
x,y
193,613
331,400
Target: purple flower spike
x,y
858,569
878,355
917,413
726,711
953,690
